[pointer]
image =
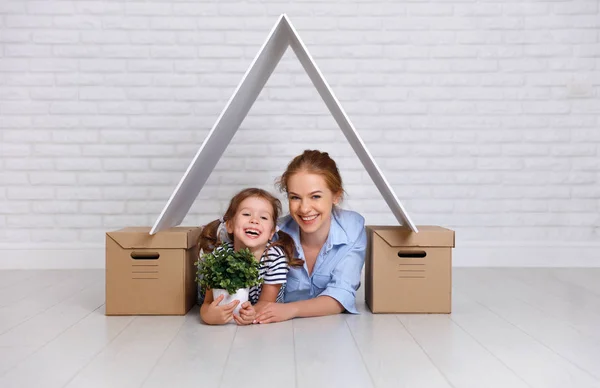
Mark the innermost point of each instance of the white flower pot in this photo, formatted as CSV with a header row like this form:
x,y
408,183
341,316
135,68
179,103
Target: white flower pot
x,y
241,295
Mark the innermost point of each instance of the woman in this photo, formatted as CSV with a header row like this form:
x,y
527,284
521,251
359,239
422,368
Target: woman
x,y
331,241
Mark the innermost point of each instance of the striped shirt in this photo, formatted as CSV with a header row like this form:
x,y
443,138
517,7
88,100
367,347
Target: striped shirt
x,y
273,269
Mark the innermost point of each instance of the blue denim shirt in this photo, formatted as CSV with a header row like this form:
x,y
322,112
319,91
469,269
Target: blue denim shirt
x,y
339,264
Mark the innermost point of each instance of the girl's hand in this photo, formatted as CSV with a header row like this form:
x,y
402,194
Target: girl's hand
x,y
218,315
247,314
275,312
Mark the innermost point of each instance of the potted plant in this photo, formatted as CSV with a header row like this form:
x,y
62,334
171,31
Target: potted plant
x,y
225,271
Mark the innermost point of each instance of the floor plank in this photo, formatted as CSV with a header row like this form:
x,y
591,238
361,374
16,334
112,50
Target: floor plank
x,y
518,327
391,355
259,352
36,284
65,285
129,358
588,278
11,277
40,329
535,363
557,334
326,354
542,279
34,333
570,311
56,363
464,361
196,356
12,355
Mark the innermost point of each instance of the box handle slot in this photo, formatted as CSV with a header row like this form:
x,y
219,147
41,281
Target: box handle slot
x,y
412,254
145,255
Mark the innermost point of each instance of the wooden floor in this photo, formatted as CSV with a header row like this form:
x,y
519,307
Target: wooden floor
x,y
509,328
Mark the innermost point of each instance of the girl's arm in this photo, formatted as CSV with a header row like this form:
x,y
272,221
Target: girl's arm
x,y
248,312
268,295
274,279
208,299
213,314
316,307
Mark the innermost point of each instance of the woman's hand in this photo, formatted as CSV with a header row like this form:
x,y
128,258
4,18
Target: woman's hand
x,y
276,312
214,314
247,314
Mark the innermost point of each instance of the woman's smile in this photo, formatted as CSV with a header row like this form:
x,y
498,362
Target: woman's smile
x,y
308,220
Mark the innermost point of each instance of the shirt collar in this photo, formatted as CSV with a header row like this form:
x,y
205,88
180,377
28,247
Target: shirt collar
x,y
337,234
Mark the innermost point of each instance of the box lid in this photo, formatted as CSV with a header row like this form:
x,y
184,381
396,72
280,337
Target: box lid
x,y
428,236
140,237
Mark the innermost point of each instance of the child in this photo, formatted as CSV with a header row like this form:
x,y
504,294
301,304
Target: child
x,y
250,222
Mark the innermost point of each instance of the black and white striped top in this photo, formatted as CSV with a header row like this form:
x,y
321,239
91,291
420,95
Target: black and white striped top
x,y
273,269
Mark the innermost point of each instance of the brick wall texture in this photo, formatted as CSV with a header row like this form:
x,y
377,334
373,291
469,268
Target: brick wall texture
x,y
484,116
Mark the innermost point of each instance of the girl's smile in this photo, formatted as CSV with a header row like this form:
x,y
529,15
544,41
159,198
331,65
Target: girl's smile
x,y
252,225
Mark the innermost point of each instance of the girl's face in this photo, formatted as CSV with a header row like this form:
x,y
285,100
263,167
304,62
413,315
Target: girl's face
x,y
252,225
311,202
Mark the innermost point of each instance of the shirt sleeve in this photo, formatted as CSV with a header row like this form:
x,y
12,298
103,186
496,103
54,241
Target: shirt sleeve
x,y
277,266
345,278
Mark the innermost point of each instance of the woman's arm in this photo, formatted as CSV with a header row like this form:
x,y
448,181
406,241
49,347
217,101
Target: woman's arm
x,y
316,307
345,277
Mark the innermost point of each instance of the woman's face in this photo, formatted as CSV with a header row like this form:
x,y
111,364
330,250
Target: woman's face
x,y
311,202
252,225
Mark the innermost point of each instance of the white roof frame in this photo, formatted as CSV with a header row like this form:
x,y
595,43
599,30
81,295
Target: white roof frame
x,y
281,36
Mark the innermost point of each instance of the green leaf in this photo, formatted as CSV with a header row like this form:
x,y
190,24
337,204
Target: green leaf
x,y
227,269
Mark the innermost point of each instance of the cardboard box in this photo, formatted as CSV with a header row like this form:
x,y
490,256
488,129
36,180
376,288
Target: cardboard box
x,y
407,272
151,274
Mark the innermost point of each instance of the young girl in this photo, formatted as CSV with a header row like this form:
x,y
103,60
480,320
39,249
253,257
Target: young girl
x,y
250,222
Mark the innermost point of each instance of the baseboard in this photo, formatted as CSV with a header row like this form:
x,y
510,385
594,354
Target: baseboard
x,y
466,254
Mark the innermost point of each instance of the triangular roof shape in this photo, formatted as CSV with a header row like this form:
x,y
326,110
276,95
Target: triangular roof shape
x,y
282,35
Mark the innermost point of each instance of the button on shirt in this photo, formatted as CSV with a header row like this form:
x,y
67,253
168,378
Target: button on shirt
x,y
337,270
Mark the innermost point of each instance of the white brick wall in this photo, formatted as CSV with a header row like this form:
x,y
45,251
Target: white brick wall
x,y
485,117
